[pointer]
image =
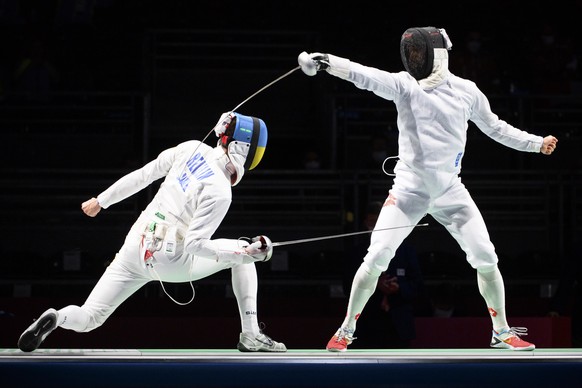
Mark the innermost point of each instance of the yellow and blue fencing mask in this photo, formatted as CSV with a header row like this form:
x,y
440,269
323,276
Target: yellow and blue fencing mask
x,y
245,140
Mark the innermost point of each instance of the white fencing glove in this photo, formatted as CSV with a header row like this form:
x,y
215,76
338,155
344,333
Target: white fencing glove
x,y
223,123
312,63
261,248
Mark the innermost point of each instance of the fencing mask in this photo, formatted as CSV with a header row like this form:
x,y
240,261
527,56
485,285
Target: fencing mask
x,y
245,140
417,49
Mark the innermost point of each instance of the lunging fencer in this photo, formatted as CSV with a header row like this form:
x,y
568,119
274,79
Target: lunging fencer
x,y
171,240
434,107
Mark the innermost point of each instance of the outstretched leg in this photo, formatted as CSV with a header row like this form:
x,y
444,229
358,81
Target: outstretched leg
x,y
115,285
381,251
465,223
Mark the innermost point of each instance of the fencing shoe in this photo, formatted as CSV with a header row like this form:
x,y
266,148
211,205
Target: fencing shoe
x,y
260,343
509,339
38,331
340,340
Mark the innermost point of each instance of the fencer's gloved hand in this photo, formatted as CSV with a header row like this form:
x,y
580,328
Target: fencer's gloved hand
x,y
260,249
312,63
223,123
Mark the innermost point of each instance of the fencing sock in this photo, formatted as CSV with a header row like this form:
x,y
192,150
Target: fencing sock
x,y
492,289
363,286
74,318
245,286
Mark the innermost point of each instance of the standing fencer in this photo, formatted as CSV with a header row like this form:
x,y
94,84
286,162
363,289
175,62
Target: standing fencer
x,y
171,241
434,107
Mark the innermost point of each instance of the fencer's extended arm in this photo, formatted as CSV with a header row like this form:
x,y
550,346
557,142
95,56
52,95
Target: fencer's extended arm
x,y
314,62
138,179
240,251
497,129
209,214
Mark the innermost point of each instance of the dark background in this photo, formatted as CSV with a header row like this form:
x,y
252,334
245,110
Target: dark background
x,y
90,90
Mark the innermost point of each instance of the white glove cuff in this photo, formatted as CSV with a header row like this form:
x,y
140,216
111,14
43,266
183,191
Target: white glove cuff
x,y
340,67
236,257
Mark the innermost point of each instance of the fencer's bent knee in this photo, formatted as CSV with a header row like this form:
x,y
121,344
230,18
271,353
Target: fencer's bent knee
x,y
378,260
93,319
371,270
91,324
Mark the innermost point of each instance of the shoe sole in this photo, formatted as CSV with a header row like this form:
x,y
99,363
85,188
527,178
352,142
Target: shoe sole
x,y
264,344
33,336
241,347
509,347
244,349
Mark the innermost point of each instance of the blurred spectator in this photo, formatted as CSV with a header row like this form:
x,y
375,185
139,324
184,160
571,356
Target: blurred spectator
x,y
554,62
311,161
35,72
443,301
76,12
476,62
380,147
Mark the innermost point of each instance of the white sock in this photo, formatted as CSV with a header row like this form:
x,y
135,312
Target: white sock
x,y
492,289
73,318
245,286
363,286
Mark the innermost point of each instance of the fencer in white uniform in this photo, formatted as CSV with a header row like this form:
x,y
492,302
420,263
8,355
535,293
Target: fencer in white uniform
x,y
171,241
434,107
